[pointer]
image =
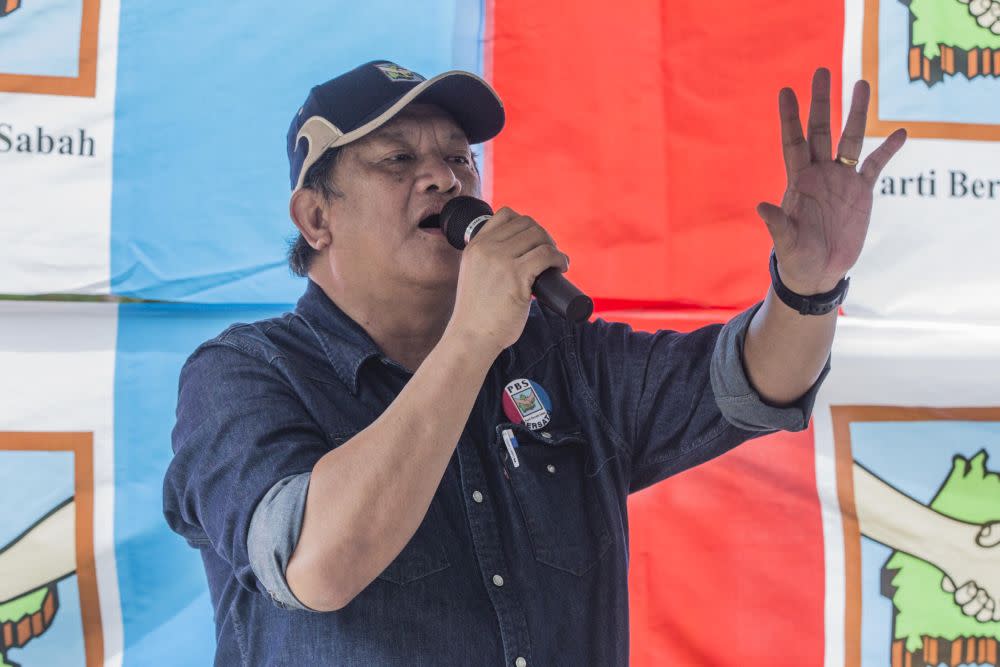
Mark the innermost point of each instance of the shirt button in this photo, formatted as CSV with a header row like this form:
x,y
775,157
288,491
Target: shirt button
x,y
551,468
520,662
497,580
477,496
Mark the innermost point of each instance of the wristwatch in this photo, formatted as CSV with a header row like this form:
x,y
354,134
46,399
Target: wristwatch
x,y
814,304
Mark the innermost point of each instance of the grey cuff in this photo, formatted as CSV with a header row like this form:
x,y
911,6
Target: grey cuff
x,y
738,401
274,531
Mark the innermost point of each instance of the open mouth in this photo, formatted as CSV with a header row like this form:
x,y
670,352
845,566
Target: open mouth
x,y
430,222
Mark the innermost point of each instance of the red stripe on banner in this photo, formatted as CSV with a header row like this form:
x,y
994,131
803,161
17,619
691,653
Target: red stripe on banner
x,y
643,134
727,561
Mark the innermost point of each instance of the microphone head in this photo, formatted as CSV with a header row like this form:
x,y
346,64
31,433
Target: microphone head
x,y
456,216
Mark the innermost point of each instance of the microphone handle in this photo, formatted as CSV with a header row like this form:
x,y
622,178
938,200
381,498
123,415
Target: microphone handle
x,y
553,290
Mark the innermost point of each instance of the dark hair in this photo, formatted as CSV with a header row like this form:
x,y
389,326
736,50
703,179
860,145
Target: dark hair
x,y
319,177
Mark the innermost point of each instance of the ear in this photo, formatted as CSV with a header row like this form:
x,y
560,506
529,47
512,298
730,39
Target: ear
x,y
307,209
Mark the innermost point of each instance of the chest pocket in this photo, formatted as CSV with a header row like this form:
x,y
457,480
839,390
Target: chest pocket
x,y
559,502
423,555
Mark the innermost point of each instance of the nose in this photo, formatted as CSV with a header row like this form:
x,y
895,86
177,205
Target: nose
x,y
438,176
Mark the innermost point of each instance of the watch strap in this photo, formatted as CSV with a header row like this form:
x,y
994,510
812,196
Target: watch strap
x,y
814,304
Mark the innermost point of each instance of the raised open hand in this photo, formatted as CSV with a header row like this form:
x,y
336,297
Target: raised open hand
x,y
820,227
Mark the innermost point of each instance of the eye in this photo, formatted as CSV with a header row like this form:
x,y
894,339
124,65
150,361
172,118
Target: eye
x,y
462,159
400,157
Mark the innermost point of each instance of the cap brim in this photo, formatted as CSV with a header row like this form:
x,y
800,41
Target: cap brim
x,y
469,99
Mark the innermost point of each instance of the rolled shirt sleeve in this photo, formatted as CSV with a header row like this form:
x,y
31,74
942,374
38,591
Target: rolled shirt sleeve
x,y
739,402
676,400
274,533
241,437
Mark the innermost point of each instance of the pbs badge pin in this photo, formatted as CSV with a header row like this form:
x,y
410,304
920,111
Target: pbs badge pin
x,y
525,402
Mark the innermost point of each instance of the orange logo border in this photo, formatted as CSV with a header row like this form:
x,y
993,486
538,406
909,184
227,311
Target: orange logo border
x,y
879,127
843,416
82,85
82,446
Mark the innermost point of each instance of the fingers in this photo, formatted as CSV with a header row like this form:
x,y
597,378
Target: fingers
x,y
504,224
972,600
819,116
854,129
793,144
527,240
978,602
518,235
965,594
987,612
875,162
539,259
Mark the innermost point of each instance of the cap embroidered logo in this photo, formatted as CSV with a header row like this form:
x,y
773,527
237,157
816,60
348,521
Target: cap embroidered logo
x,y
397,73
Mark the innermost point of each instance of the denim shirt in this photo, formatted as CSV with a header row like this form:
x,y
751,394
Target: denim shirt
x,y
515,565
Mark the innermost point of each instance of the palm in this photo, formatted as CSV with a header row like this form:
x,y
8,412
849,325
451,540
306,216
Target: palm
x,y
829,207
820,228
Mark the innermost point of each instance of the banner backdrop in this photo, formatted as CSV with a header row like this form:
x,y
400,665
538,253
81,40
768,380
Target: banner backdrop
x,y
142,154
57,111
831,546
89,572
166,177
59,592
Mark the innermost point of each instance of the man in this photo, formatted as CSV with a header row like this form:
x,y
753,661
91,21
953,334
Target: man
x,y
419,466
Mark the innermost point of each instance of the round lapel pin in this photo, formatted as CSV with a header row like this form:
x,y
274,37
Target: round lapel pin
x,y
526,402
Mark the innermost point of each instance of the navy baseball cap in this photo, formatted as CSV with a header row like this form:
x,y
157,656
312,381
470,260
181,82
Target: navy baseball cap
x,y
351,105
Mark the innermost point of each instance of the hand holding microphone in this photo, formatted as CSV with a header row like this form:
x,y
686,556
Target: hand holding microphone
x,y
500,268
463,218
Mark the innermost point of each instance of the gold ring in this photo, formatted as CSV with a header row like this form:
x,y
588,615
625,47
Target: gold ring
x,y
846,160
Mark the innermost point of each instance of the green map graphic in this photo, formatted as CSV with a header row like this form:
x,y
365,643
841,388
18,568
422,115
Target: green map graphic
x,y
949,23
16,618
971,493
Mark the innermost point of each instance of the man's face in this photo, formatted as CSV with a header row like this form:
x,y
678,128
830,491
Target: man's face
x,y
390,181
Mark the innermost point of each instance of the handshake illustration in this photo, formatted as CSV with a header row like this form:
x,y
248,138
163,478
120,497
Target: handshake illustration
x,y
967,553
979,596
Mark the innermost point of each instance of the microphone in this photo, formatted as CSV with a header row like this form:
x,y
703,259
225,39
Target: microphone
x,y
463,217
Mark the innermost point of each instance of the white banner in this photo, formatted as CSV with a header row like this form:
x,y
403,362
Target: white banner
x,y
907,430
57,94
932,247
59,602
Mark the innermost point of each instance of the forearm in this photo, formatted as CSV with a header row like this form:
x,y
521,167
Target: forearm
x,y
367,497
892,518
784,352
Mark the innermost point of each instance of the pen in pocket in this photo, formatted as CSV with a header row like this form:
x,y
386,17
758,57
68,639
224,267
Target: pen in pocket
x,y
510,440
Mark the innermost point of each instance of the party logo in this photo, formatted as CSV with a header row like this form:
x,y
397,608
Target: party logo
x,y
525,402
49,609
49,48
919,493
934,67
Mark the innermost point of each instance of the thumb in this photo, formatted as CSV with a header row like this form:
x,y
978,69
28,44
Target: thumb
x,y
778,224
989,534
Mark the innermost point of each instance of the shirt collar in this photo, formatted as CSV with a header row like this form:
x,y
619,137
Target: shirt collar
x,y
345,343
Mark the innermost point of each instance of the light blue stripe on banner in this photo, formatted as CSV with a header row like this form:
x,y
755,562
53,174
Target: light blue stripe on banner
x,y
166,612
205,94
